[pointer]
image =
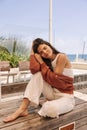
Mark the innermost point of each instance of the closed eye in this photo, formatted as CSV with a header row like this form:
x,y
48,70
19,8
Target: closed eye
x,y
45,48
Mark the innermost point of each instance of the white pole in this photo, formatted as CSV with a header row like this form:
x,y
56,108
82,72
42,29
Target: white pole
x,y
50,21
83,50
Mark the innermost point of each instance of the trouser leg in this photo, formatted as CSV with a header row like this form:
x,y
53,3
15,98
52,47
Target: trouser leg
x,y
56,107
34,88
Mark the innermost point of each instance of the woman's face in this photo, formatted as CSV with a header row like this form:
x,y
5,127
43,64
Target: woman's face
x,y
45,51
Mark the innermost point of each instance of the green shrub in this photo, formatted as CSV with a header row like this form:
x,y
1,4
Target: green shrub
x,y
4,56
12,58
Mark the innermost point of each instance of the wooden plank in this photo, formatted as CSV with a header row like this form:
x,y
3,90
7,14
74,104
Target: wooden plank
x,y
24,68
24,65
4,105
4,66
81,122
78,112
18,123
78,101
14,87
34,122
82,127
48,123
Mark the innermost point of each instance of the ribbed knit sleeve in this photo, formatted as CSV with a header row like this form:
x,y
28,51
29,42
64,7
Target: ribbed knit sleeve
x,y
34,65
59,81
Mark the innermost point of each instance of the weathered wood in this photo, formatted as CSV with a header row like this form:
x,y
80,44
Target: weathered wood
x,y
24,65
4,66
34,122
83,127
24,68
14,87
5,70
81,122
38,123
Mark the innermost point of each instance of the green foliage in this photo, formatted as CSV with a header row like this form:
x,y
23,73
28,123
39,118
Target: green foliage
x,y
4,56
4,49
13,59
13,51
14,47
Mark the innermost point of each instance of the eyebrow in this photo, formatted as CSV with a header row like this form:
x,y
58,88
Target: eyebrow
x,y
42,49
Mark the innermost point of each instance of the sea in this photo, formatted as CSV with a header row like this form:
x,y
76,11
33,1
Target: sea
x,y
72,57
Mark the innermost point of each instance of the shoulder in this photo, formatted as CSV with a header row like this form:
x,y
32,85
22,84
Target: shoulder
x,y
62,57
61,63
63,60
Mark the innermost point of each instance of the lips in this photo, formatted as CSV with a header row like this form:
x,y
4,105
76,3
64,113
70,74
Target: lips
x,y
47,55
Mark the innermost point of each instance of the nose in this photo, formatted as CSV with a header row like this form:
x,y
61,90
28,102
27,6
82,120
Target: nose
x,y
44,51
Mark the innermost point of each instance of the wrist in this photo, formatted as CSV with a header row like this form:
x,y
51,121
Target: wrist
x,y
41,62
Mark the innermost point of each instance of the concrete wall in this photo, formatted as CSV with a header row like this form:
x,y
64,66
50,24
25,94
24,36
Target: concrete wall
x,y
79,65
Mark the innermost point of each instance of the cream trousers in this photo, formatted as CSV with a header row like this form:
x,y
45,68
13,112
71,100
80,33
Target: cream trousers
x,y
58,103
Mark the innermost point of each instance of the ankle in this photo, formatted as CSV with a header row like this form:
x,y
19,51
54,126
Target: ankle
x,y
21,109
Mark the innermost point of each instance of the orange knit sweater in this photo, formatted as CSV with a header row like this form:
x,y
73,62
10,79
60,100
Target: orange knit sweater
x,y
61,82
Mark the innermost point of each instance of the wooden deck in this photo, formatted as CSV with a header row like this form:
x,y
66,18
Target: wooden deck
x,y
34,122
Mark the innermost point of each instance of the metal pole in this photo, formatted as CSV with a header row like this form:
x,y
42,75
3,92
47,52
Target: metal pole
x,y
50,21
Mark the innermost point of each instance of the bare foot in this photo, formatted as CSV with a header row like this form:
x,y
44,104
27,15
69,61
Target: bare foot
x,y
15,116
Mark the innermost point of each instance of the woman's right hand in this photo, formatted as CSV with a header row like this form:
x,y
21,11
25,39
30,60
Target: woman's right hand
x,y
39,58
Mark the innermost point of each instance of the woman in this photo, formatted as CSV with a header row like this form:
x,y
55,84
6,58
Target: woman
x,y
52,76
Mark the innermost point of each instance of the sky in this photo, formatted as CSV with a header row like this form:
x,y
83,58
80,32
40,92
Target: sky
x,y
29,19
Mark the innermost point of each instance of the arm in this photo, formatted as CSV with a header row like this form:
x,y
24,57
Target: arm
x,y
58,81
54,78
60,63
34,64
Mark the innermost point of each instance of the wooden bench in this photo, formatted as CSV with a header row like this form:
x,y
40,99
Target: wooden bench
x,y
5,71
33,121
24,69
16,73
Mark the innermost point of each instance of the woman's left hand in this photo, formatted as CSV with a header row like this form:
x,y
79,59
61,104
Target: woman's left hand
x,y
39,58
